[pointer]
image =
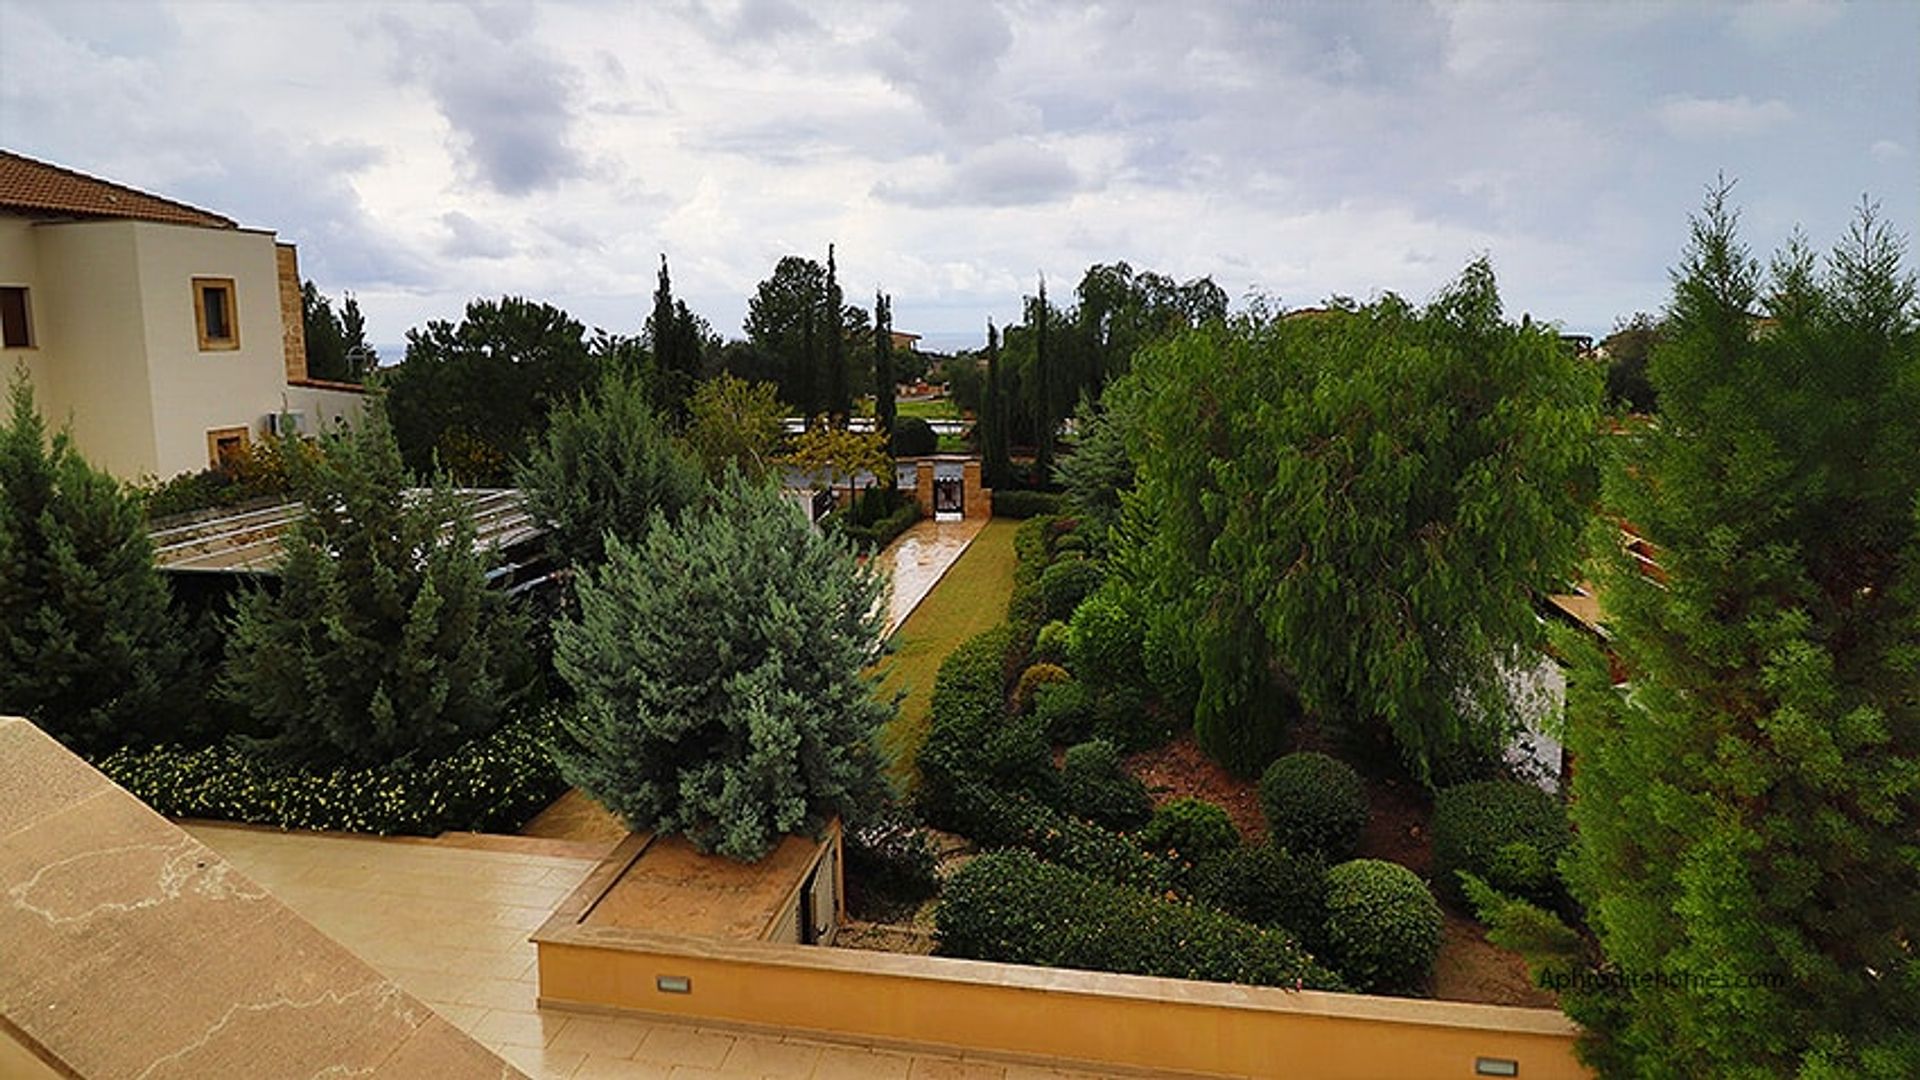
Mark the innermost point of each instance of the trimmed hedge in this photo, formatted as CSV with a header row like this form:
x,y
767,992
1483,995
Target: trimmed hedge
x,y
970,735
1098,789
495,783
995,820
1066,583
1267,886
1190,830
1013,908
1314,803
1383,926
914,437
1508,833
1066,711
1025,504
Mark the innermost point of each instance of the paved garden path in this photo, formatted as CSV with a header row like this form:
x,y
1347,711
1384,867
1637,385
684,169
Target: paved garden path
x,y
919,557
448,920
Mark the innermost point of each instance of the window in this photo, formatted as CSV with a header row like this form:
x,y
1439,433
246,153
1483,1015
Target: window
x,y
213,313
226,447
16,324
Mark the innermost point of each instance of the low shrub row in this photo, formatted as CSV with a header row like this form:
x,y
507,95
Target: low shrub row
x,y
971,738
1009,503
495,783
883,531
996,820
1012,907
1267,886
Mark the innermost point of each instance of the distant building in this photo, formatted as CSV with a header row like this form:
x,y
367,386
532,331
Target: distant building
x,y
905,342
169,337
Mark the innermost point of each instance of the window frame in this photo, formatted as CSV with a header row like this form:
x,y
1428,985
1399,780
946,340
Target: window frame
x,y
26,318
231,341
215,436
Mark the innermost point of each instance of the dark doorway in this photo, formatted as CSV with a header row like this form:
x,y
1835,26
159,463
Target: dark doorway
x,y
949,496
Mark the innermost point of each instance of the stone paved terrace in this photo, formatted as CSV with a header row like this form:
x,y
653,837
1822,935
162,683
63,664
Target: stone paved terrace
x,y
448,920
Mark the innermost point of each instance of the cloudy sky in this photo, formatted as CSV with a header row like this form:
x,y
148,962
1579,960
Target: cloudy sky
x,y
421,154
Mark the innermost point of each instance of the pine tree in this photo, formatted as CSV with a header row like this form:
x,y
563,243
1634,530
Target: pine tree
x,y
676,349
382,638
1746,812
88,649
722,668
883,378
605,465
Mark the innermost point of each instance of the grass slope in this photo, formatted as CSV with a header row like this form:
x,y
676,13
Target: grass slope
x,y
972,597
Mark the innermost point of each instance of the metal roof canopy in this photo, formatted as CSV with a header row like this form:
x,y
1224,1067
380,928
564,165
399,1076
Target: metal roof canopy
x,y
249,542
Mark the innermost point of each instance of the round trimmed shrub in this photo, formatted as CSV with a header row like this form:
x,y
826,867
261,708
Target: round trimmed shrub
x,y
913,437
1098,789
1191,830
1104,637
1050,644
1066,711
1267,886
1314,803
1383,926
1066,583
1032,679
1510,834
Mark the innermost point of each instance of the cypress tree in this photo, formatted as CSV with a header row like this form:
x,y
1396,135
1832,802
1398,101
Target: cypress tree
x,y
88,649
676,350
839,394
1043,376
993,418
382,638
1747,846
883,379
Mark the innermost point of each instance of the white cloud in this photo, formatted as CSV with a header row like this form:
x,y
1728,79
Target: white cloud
x,y
1700,117
1888,150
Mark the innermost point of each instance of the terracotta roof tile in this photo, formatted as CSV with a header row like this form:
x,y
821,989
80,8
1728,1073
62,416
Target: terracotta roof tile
x,y
37,187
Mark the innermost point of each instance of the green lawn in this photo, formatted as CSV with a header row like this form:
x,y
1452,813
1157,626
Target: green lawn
x,y
972,597
936,409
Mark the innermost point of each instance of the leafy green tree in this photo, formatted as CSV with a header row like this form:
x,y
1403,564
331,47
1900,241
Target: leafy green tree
x,y
1360,505
604,467
722,668
1746,812
736,425
88,649
838,453
1628,349
883,378
783,317
380,637
337,348
475,395
674,333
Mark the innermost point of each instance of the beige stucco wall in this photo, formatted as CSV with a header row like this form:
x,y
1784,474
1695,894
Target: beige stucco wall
x,y
20,265
327,408
93,364
194,392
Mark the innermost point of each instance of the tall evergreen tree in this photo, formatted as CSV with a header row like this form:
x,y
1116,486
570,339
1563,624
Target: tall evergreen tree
x,y
883,378
1747,850
839,396
1043,375
88,649
723,673
675,336
381,638
604,467
996,463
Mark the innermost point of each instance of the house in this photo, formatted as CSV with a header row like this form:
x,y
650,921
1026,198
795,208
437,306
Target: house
x,y
168,337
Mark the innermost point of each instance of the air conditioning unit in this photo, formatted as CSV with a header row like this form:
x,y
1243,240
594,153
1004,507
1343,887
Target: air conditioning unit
x,y
285,424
